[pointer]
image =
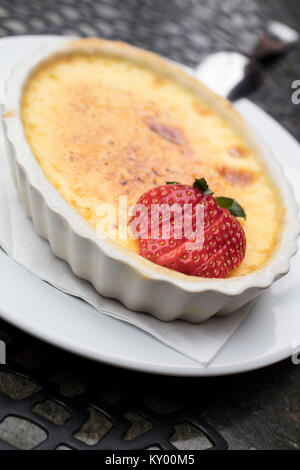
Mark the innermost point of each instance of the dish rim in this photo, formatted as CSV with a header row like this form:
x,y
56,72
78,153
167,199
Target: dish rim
x,y
279,263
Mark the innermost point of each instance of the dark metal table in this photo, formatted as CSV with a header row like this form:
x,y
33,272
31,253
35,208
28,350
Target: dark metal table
x,y
51,399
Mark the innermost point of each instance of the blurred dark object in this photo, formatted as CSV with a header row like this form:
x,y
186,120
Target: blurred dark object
x,y
277,40
235,75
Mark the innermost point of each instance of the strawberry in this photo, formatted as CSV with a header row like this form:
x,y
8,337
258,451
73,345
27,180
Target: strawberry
x,y
224,242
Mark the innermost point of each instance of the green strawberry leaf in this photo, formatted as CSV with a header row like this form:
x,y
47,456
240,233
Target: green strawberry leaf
x,y
233,206
200,183
172,182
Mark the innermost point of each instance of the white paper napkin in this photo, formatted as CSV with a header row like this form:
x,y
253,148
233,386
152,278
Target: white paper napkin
x,y
17,237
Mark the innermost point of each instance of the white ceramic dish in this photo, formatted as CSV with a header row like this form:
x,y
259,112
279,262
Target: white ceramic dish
x,y
114,272
270,333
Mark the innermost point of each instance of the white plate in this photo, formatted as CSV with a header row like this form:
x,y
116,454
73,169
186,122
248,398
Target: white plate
x,y
268,334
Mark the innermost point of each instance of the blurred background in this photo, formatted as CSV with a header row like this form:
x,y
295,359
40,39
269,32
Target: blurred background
x,y
51,399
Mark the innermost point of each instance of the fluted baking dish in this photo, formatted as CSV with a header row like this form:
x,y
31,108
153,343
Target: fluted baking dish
x,y
114,271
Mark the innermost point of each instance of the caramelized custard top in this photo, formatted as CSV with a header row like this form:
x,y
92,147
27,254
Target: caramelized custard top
x,y
101,127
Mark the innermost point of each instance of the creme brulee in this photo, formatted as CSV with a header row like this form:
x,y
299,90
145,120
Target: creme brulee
x,y
101,127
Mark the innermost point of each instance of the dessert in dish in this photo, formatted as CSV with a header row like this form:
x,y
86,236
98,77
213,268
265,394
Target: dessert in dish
x,y
89,121
104,126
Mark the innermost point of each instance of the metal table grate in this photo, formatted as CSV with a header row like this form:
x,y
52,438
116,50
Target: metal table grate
x,y
67,402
